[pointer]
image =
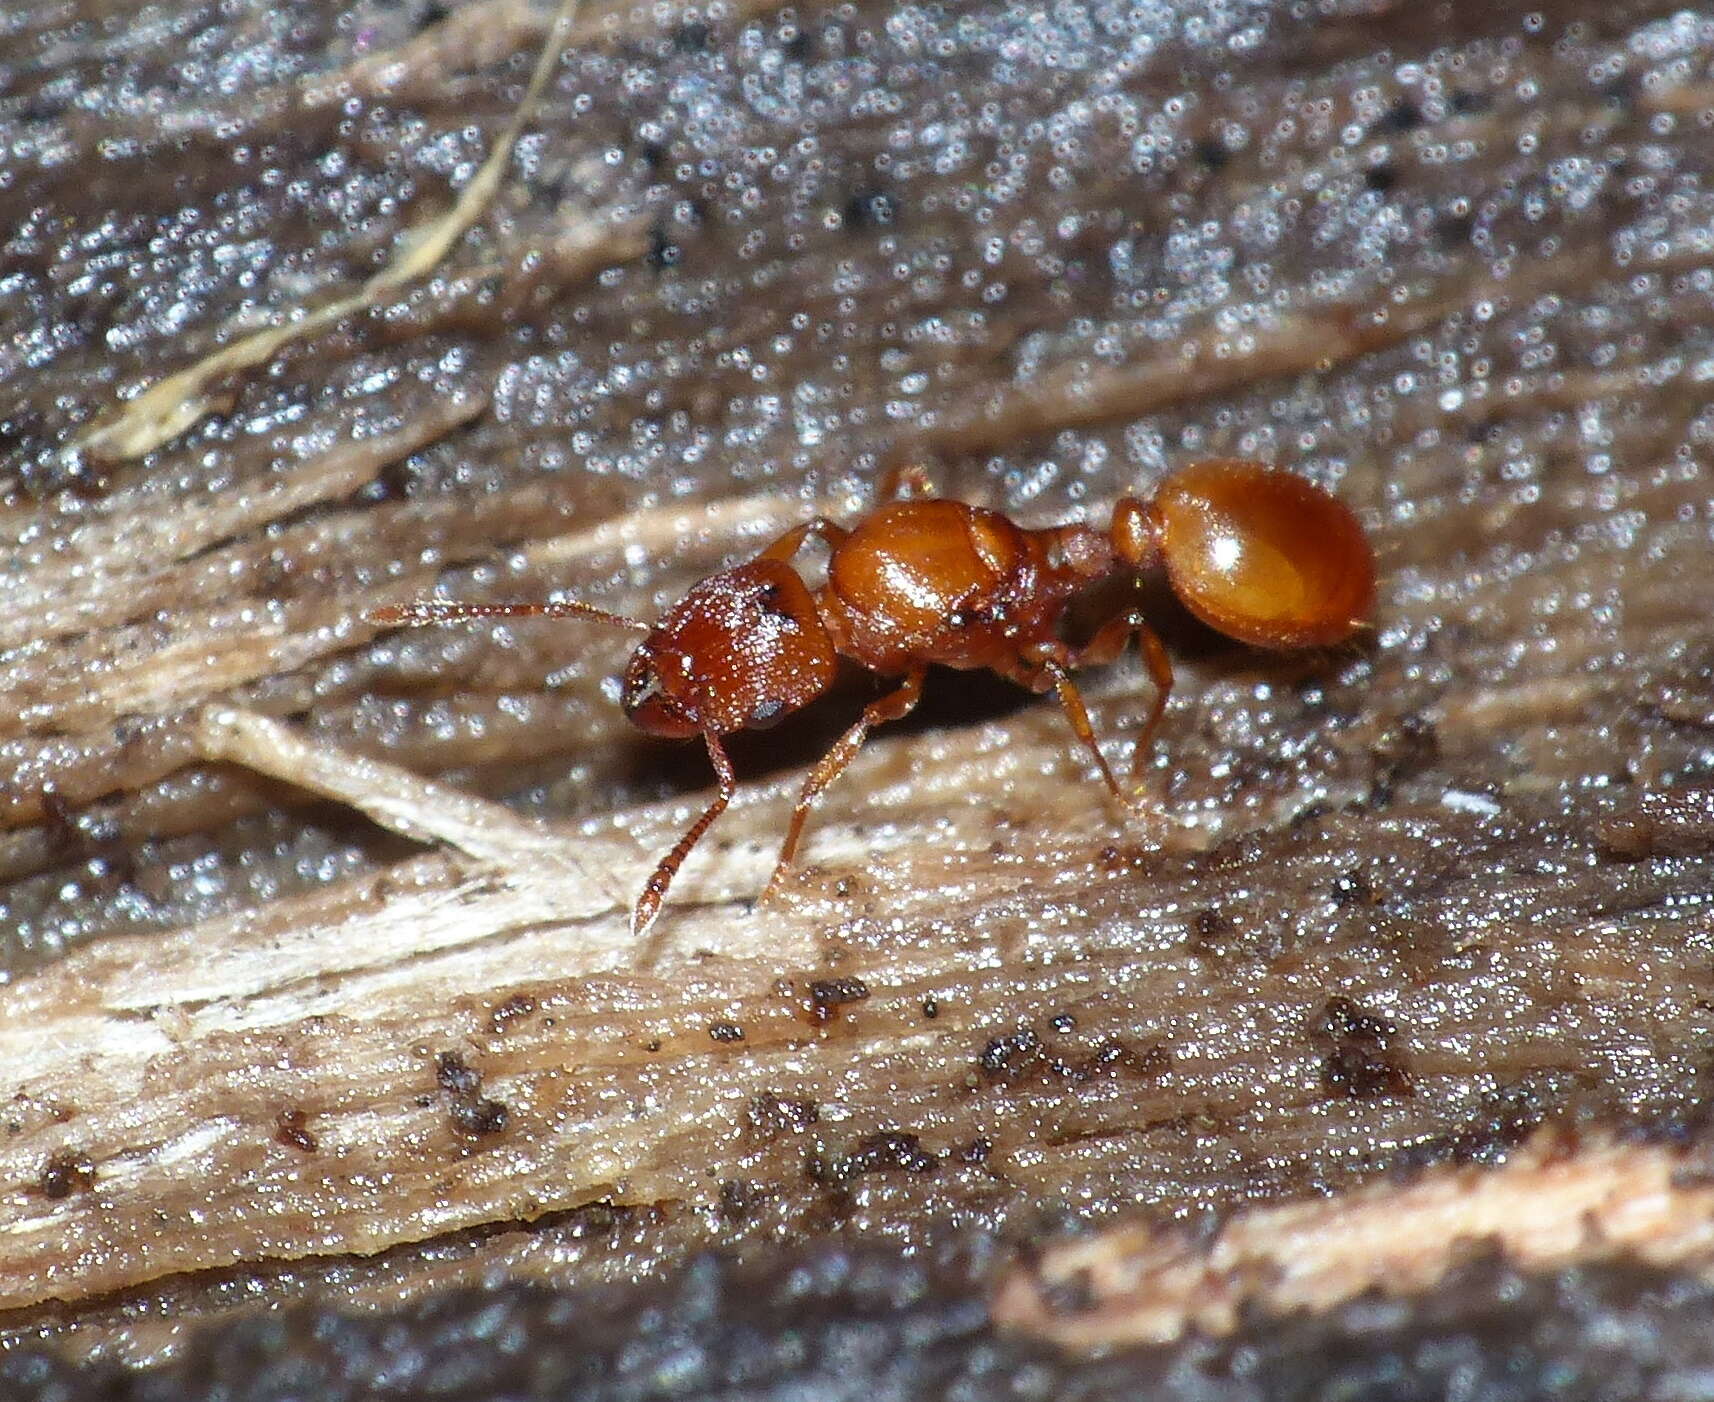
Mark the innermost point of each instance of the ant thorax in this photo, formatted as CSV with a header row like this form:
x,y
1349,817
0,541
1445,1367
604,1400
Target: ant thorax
x,y
943,582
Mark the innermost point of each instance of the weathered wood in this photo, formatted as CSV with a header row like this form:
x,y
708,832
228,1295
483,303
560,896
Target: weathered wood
x,y
1399,904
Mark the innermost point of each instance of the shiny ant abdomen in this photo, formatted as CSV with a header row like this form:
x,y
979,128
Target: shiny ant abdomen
x,y
1259,554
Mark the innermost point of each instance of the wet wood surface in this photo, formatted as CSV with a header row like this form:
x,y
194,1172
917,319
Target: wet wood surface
x,y
1392,906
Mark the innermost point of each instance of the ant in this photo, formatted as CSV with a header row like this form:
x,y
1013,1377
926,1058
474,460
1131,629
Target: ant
x,y
1259,554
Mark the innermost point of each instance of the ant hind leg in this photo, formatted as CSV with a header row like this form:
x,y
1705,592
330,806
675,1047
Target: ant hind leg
x,y
1049,664
1108,642
892,706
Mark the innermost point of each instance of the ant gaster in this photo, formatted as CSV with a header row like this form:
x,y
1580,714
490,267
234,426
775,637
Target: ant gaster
x,y
1259,554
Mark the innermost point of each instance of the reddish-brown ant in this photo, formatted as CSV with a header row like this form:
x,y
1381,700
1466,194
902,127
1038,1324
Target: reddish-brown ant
x,y
1259,554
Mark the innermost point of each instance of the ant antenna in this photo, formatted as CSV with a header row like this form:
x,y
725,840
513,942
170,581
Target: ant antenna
x,y
426,611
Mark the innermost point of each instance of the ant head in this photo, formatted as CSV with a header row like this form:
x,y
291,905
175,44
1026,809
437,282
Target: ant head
x,y
741,650
1263,555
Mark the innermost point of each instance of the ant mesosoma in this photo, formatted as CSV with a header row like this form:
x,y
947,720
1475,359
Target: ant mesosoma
x,y
1259,554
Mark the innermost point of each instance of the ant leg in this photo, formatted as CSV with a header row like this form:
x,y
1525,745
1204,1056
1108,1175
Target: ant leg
x,y
906,481
1160,672
1108,642
1049,664
889,707
792,541
649,903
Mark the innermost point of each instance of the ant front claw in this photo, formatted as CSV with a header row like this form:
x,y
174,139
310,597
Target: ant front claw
x,y
1156,827
1139,802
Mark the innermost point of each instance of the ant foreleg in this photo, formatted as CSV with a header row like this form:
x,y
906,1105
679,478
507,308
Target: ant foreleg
x,y
905,482
649,903
1109,641
792,541
889,707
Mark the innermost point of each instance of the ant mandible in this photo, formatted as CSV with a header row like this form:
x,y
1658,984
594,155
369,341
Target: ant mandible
x,y
1259,554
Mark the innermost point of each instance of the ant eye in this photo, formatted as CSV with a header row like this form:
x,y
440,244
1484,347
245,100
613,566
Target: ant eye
x,y
772,610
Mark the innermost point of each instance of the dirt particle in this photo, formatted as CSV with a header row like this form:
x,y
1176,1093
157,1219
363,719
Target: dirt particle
x,y
1381,178
478,1117
1023,1055
1011,1057
1404,115
472,1114
1116,860
662,252
768,1115
1353,887
726,1032
882,1152
66,1172
1405,748
1360,1064
291,1129
976,1151
871,209
1342,1020
737,1200
692,36
454,1075
1358,1074
1209,932
510,1010
1454,230
827,995
1212,153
